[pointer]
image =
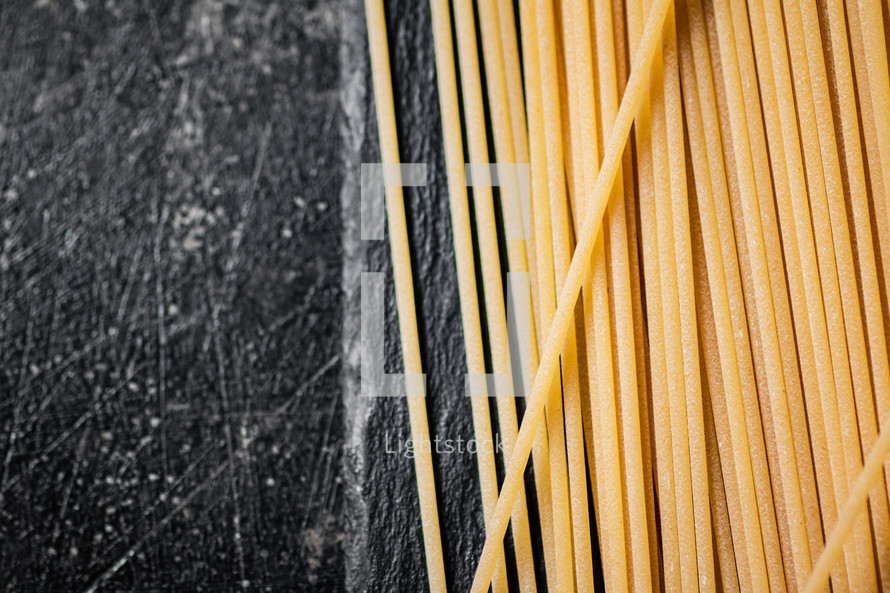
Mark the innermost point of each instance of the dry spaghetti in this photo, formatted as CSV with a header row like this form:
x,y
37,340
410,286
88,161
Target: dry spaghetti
x,y
707,350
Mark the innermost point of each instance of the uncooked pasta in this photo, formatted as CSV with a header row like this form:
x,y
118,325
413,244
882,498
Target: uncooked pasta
x,y
705,230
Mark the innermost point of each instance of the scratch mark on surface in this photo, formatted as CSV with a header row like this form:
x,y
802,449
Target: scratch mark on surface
x,y
305,386
159,42
160,215
72,358
166,495
128,555
230,450
128,287
78,460
225,465
17,411
247,205
324,454
44,455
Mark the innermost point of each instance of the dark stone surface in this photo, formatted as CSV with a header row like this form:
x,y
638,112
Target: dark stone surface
x,y
395,560
178,303
170,300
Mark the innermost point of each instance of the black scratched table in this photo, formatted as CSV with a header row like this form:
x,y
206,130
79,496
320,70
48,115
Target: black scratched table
x,y
179,269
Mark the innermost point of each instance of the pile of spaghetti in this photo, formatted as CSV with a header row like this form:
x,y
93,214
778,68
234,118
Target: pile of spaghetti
x,y
708,258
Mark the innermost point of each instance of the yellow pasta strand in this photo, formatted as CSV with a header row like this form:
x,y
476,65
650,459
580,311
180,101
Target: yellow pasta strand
x,y
816,430
642,427
783,322
630,447
401,259
868,477
688,323
540,450
750,500
728,566
864,65
834,224
595,298
649,180
554,489
574,430
560,573
491,269
859,202
565,304
870,22
463,247
512,213
707,358
799,210
780,415
653,359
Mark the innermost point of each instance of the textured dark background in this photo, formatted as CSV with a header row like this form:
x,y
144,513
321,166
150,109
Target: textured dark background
x,y
170,296
178,299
